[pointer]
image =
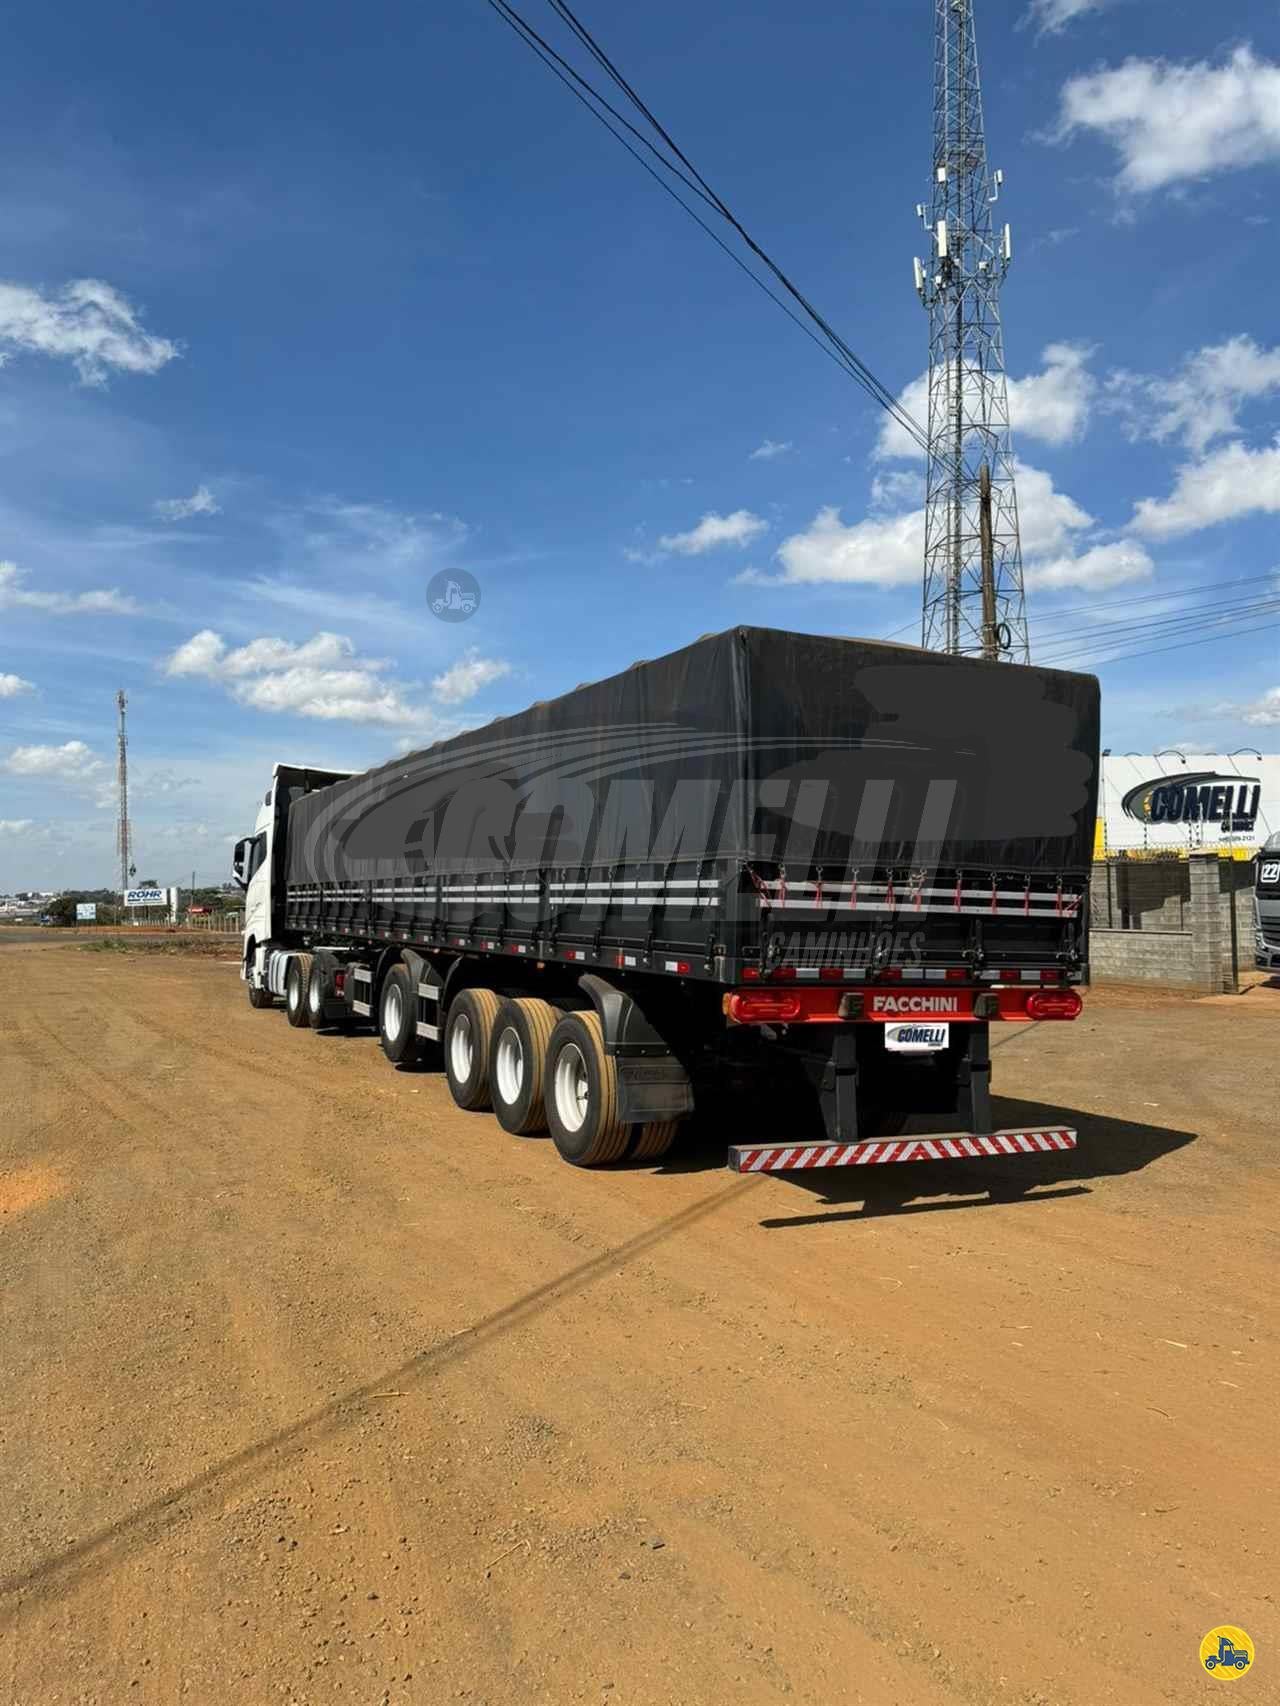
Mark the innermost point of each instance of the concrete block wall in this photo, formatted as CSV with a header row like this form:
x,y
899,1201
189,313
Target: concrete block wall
x,y
1185,923
1141,956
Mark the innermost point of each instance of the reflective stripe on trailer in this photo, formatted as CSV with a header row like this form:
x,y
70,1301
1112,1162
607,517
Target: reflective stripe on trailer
x,y
956,1146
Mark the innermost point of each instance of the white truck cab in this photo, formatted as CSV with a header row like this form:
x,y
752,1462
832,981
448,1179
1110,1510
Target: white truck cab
x,y
254,867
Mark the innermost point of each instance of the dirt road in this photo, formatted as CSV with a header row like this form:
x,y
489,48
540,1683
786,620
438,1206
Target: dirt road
x,y
316,1389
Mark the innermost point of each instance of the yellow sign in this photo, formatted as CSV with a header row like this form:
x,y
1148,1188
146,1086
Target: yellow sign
x,y
1227,1652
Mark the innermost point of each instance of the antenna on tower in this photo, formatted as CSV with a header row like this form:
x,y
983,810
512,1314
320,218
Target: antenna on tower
x,y
123,836
973,593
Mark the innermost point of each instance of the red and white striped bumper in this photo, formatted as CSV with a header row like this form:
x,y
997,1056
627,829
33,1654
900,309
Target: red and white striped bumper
x,y
957,1146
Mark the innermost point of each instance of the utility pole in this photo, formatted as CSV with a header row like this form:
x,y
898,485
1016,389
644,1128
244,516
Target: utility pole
x,y
973,594
123,838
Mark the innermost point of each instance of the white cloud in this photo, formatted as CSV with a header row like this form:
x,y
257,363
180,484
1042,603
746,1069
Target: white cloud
x,y
889,550
321,678
14,593
464,679
1051,17
1099,566
201,502
1203,400
1228,483
88,323
1051,407
1048,519
769,449
71,762
16,825
886,551
1169,123
1264,712
894,488
895,440
12,685
738,529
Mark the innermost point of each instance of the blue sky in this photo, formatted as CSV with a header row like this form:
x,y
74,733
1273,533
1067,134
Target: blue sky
x,y
299,306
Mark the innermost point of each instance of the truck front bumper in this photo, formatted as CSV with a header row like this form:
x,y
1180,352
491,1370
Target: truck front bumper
x,y
952,1146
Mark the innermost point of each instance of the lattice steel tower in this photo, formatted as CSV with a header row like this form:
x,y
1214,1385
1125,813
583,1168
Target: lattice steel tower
x,y
971,507
123,834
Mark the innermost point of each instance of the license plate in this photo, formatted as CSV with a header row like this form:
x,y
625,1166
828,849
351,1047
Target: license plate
x,y
916,1038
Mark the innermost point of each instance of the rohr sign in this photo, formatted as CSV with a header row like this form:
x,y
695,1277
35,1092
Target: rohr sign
x,y
1197,797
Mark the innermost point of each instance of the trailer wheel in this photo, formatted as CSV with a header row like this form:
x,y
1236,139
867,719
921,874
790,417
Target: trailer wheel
x,y
518,1061
398,1017
653,1140
468,1040
582,1094
297,978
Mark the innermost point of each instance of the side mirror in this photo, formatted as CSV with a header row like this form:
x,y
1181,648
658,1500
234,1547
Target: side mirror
x,y
238,863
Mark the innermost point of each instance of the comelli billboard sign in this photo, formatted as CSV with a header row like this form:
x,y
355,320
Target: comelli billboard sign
x,y
1176,802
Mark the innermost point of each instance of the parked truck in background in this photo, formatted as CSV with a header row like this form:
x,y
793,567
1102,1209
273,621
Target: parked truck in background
x,y
787,880
1266,905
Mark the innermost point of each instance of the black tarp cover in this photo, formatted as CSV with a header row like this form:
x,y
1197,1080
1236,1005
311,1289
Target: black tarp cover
x,y
753,745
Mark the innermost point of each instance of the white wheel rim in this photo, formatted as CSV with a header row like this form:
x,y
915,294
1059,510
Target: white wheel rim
x,y
314,998
392,1011
294,991
509,1066
572,1087
461,1051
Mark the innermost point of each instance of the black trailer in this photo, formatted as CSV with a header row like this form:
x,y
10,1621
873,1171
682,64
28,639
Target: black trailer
x,y
769,861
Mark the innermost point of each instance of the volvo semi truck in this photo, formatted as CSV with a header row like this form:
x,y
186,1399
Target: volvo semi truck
x,y
785,882
1266,905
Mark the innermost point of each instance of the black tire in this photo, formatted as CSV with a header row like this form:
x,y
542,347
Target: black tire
x,y
260,997
651,1142
517,1063
398,1017
319,997
468,1040
296,982
582,1094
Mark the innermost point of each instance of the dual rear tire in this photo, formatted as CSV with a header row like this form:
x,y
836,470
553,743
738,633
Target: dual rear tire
x,y
297,991
540,1069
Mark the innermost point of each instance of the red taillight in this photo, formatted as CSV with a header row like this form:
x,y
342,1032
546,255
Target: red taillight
x,y
831,974
762,1007
750,975
1051,977
784,974
1054,1004
339,982
957,974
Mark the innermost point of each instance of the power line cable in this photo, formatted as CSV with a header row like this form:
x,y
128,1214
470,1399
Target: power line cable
x,y
884,395
1122,633
1153,651
834,346
1125,634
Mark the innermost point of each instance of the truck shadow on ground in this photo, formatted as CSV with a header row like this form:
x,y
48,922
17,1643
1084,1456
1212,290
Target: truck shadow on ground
x,y
1106,1147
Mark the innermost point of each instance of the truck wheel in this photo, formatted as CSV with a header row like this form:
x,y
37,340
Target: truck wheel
x,y
296,980
518,1061
398,1017
582,1094
653,1140
468,1038
260,997
318,998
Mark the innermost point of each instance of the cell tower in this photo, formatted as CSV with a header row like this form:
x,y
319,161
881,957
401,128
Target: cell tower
x,y
123,837
973,597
